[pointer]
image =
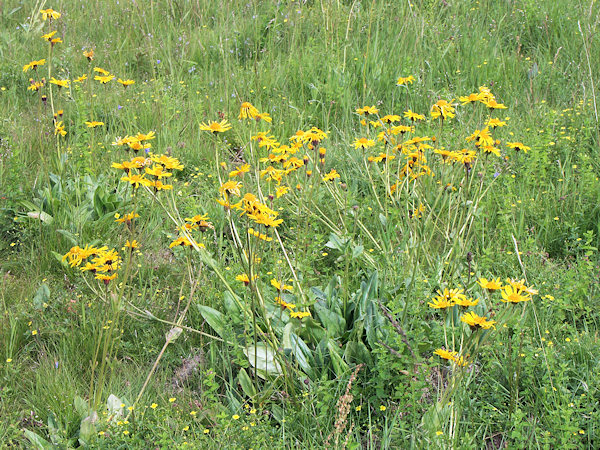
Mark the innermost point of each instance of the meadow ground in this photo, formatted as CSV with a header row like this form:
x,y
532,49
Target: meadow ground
x,y
301,224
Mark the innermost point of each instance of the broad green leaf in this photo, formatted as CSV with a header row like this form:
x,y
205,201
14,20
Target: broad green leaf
x,y
41,297
333,322
339,365
37,441
114,405
301,352
357,251
81,406
214,318
87,428
246,383
262,359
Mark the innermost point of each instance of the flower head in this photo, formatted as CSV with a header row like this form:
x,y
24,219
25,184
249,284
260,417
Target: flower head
x,y
59,83
511,294
49,14
59,128
475,321
363,143
413,116
405,81
443,109
89,54
518,146
216,127
125,83
366,110
103,79
34,65
491,285
247,111
94,124
332,175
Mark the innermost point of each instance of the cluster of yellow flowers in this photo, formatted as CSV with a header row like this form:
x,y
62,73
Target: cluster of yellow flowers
x,y
104,263
199,222
514,291
414,149
135,143
156,166
248,111
36,85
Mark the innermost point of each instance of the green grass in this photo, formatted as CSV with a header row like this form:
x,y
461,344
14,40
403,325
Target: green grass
x,y
346,246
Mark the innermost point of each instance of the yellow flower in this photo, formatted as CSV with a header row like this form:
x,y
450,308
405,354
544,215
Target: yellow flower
x,y
185,242
247,111
475,321
94,124
447,298
145,137
493,123
299,314
520,284
127,218
405,81
511,294
493,104
281,190
60,129
492,285
235,417
153,405
168,162
413,116
382,408
80,79
133,244
471,98
135,180
34,65
49,14
280,286
363,143
284,304
158,172
240,171
391,118
264,116
101,71
103,79
518,146
466,302
366,110
216,127
230,188
89,54
445,354
48,37
245,279
381,157
443,109
125,83
332,175
440,303
59,83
